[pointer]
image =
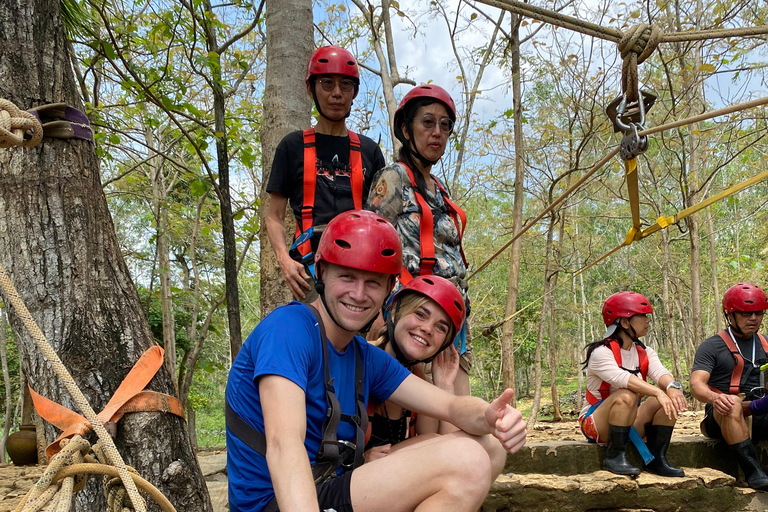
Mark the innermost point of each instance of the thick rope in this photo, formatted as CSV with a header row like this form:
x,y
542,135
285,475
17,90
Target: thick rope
x,y
111,453
15,123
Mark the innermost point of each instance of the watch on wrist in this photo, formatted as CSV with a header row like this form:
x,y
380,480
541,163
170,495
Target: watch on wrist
x,y
674,384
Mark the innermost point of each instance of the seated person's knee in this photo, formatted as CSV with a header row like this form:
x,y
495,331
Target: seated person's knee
x,y
625,398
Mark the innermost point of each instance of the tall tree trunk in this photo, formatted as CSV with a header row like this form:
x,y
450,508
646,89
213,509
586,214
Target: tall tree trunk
x,y
669,321
508,329
7,382
713,270
556,261
286,108
542,326
59,246
225,200
159,197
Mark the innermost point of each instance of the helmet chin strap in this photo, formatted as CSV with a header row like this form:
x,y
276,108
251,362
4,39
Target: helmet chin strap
x,y
733,325
424,161
396,348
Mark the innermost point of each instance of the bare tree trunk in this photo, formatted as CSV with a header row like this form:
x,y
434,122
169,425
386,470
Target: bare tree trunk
x,y
713,270
286,108
668,319
7,381
508,329
59,246
542,326
557,259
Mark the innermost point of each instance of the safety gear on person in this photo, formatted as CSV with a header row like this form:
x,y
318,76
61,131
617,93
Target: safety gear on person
x,y
615,459
744,297
332,60
301,250
657,439
445,294
361,240
624,305
440,290
421,91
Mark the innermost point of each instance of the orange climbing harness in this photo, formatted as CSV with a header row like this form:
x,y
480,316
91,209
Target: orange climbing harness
x,y
129,397
738,370
605,387
427,229
310,180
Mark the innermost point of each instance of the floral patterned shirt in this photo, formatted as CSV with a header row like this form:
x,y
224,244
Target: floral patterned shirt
x,y
393,197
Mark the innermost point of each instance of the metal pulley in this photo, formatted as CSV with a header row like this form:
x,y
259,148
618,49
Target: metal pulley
x,y
632,144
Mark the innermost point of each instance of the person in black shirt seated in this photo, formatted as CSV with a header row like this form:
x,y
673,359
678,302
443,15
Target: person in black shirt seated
x,y
727,365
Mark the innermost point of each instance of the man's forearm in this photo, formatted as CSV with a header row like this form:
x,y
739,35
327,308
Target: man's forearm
x,y
468,414
276,235
702,393
292,478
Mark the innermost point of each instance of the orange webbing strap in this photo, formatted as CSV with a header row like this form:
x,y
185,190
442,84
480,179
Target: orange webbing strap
x,y
129,397
426,230
356,166
308,198
605,388
459,218
738,370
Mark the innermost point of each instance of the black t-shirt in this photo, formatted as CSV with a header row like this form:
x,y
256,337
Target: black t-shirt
x,y
333,188
714,357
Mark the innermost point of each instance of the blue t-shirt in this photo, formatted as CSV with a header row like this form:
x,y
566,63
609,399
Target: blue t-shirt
x,y
287,343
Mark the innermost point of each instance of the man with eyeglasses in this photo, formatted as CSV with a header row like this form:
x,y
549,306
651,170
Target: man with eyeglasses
x,y
727,365
322,171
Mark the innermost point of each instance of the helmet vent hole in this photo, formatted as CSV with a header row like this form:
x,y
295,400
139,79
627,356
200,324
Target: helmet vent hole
x,y
343,244
350,63
324,61
429,281
354,215
382,221
388,252
460,307
749,302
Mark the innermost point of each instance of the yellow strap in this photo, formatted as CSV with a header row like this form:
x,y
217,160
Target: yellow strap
x,y
633,191
662,222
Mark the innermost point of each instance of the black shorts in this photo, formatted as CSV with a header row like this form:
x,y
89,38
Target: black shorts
x,y
713,430
334,496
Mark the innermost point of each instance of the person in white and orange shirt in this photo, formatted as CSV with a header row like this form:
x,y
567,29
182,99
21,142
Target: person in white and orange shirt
x,y
617,369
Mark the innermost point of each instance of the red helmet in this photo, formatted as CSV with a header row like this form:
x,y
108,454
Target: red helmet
x,y
625,305
332,60
422,91
744,297
440,290
362,240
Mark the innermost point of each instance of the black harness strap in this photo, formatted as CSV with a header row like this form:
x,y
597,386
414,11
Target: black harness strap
x,y
330,455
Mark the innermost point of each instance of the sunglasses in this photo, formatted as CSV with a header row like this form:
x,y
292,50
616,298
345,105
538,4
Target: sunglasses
x,y
329,84
429,121
748,314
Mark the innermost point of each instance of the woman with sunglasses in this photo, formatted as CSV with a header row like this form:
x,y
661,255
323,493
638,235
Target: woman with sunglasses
x,y
407,194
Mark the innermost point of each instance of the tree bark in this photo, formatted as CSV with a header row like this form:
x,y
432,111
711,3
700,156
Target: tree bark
x,y
556,261
59,246
508,329
542,326
7,382
713,270
286,108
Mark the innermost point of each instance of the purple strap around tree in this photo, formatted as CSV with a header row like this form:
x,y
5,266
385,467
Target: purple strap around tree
x,y
61,121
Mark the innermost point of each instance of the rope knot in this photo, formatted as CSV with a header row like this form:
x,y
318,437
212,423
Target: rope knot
x,y
17,127
636,45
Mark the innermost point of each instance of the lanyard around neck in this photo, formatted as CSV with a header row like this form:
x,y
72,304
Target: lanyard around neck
x,y
739,348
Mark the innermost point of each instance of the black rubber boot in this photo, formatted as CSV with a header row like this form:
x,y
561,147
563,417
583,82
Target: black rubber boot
x,y
658,437
615,459
747,457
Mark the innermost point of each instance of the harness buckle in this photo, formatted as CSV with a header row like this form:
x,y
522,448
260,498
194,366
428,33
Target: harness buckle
x,y
426,264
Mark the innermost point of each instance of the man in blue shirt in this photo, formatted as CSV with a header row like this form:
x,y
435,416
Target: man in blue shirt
x,y
289,387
